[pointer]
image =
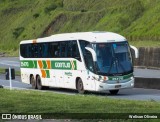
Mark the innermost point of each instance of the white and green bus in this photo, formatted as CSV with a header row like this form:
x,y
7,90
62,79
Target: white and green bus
x,y
86,61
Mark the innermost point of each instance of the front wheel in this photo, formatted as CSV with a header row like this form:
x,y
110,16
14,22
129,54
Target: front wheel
x,y
113,92
80,87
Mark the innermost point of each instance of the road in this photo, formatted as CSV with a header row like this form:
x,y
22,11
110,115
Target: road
x,y
12,62
132,94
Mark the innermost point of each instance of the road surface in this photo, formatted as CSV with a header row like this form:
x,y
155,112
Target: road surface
x,y
12,62
131,94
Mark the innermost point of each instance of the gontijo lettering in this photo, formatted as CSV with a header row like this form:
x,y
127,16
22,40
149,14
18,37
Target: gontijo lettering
x,y
62,65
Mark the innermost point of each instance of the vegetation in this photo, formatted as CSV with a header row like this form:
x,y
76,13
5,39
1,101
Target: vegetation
x,y
27,101
2,71
138,20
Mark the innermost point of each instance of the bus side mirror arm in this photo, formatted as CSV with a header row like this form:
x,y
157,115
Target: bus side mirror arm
x,y
135,51
92,52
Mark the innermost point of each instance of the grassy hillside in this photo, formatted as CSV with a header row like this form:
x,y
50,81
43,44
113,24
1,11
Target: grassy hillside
x,y
138,20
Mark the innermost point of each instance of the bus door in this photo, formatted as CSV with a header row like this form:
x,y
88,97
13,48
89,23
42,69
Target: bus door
x,y
59,78
52,81
90,69
68,78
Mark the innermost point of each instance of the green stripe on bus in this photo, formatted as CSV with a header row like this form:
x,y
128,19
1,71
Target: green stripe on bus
x,y
75,65
44,64
47,73
120,77
28,64
59,64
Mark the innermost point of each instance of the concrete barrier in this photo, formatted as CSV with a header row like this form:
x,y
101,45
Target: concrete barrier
x,y
148,58
148,83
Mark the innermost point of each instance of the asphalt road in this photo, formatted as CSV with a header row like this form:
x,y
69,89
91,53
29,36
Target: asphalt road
x,y
132,94
12,62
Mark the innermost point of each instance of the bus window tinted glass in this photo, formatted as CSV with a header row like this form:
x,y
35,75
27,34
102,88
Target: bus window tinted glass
x,y
66,49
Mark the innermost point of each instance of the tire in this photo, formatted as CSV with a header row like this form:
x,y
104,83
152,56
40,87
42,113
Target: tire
x,y
33,82
113,92
39,83
80,87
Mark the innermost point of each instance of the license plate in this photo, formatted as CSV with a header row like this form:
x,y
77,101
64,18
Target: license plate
x,y
117,86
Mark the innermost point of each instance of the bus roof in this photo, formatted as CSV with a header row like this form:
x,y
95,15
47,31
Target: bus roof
x,y
94,37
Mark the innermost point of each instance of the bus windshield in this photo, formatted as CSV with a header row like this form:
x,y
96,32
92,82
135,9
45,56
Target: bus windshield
x,y
113,58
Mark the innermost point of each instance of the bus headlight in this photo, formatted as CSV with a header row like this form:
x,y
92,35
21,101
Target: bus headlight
x,y
101,78
104,79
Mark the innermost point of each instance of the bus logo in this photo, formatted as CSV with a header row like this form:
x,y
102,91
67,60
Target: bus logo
x,y
62,65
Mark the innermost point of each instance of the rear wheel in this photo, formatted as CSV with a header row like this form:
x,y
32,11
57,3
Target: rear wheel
x,y
39,83
33,82
113,92
80,87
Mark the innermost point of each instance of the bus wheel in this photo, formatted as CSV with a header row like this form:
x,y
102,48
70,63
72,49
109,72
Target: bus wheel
x,y
80,87
113,92
33,82
39,83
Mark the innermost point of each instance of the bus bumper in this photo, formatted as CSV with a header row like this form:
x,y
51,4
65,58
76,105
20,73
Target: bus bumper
x,y
104,86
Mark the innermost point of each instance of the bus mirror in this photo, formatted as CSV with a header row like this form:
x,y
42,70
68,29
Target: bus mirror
x,y
136,52
92,52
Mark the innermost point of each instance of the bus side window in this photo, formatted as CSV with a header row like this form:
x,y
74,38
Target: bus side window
x,y
35,50
83,44
69,50
54,50
89,61
38,50
63,49
45,53
75,51
23,50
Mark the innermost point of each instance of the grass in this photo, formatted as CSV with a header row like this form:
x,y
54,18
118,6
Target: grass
x,y
145,43
21,101
2,71
138,20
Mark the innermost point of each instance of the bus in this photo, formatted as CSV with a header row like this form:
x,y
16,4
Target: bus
x,y
84,61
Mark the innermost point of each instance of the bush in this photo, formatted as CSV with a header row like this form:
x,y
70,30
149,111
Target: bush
x,y
50,8
17,32
54,5
36,15
83,10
